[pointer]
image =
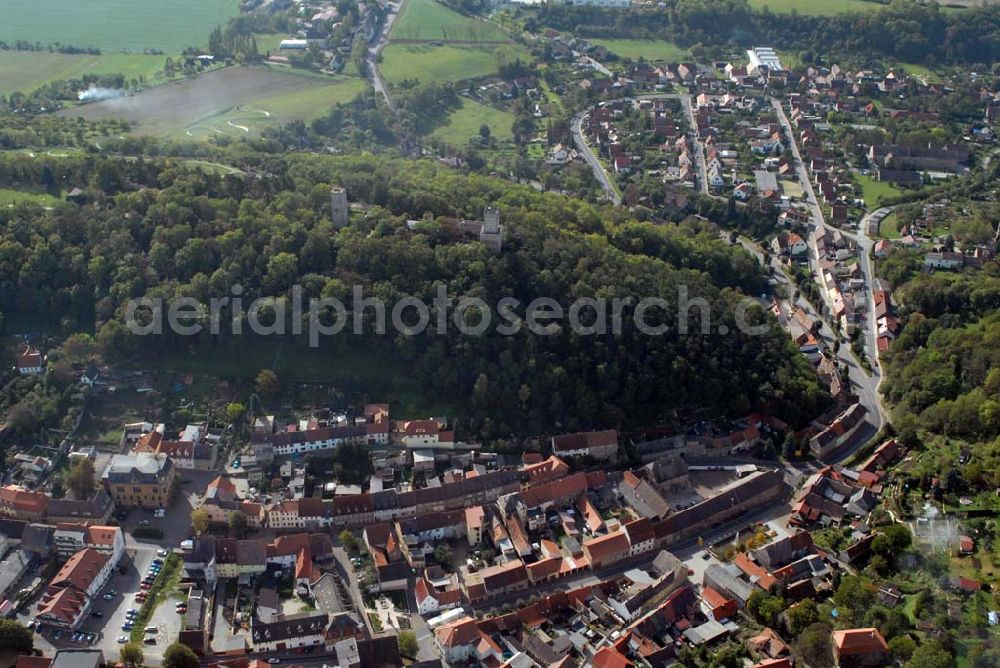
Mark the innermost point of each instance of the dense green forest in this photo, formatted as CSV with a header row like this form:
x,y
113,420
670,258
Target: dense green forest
x,y
944,369
154,227
904,30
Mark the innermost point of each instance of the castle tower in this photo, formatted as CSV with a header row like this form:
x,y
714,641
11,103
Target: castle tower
x,y
338,207
492,232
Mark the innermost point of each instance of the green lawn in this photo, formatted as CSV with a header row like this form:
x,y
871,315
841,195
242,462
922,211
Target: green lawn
x,y
872,190
649,49
918,70
429,20
9,197
816,7
114,25
464,123
27,70
889,227
443,63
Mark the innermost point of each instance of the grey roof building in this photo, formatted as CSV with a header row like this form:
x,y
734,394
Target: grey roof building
x,y
144,468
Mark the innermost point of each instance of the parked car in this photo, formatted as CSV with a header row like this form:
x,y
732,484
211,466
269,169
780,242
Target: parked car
x,y
149,640
122,640
98,614
160,553
144,523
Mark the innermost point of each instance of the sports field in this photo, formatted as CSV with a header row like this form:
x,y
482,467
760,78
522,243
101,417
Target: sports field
x,y
27,70
236,101
649,49
444,63
115,25
464,123
429,20
816,7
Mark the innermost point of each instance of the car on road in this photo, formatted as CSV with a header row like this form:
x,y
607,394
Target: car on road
x,y
274,659
160,553
144,523
98,614
122,640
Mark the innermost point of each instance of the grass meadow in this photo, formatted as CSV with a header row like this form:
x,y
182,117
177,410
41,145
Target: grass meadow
x,y
463,124
649,49
115,25
427,20
443,63
816,7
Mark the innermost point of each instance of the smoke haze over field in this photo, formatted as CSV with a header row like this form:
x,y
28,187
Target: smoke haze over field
x,y
95,94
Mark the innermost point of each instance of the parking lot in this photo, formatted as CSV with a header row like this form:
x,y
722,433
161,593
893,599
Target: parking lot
x,y
106,617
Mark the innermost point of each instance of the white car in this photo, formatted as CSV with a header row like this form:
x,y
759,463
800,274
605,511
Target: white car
x,y
122,640
161,552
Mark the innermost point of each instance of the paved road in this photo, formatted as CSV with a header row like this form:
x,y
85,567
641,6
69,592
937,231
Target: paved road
x,y
375,48
866,385
602,175
699,152
588,154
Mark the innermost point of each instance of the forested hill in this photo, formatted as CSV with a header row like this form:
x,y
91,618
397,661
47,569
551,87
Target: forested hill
x,y
170,230
944,376
903,29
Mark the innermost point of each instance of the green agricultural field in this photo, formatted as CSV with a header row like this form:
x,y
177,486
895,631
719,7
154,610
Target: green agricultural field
x,y
816,7
650,49
236,101
444,63
428,20
464,123
26,70
115,25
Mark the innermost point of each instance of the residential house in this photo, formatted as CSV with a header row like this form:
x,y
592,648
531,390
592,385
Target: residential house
x,y
70,593
284,632
19,503
596,444
860,647
30,361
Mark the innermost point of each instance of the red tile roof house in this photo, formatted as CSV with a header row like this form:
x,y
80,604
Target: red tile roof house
x,y
721,607
69,594
431,600
607,549
30,362
21,504
774,663
769,644
860,647
463,640
966,545
597,444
